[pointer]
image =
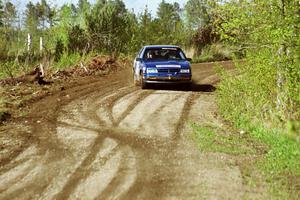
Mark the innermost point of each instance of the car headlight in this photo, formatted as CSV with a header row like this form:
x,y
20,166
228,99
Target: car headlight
x,y
151,70
185,71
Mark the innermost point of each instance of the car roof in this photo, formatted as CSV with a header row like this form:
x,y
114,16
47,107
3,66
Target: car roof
x,y
160,46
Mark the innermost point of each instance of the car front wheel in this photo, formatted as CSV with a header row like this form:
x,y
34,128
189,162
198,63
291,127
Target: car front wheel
x,y
135,81
142,82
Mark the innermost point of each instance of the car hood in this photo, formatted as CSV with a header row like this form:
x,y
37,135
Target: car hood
x,y
168,64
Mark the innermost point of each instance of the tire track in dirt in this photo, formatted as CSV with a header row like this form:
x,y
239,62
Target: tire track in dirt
x,y
78,175
123,136
110,140
20,171
166,146
108,101
159,109
52,144
20,159
28,181
123,181
184,115
87,105
138,121
67,191
118,179
130,107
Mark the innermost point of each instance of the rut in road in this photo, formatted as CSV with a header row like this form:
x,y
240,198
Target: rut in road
x,y
121,142
97,134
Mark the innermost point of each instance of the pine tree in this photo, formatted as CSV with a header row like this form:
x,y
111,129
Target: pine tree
x,y
31,18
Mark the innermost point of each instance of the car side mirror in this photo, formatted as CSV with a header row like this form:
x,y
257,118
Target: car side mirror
x,y
138,59
189,59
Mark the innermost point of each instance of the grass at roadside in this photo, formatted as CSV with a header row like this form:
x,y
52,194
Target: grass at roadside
x,y
213,139
281,163
277,156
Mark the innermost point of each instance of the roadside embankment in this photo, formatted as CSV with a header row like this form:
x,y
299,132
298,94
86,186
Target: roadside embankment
x,y
18,92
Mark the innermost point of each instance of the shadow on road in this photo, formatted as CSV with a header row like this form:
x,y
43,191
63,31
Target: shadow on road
x,y
188,88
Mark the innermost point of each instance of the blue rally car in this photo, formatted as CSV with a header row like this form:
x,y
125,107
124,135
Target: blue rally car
x,y
161,64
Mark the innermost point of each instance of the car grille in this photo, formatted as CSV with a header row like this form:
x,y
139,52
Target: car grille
x,y
168,70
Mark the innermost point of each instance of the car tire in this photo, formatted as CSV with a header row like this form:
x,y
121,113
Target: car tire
x,y
187,86
144,85
135,81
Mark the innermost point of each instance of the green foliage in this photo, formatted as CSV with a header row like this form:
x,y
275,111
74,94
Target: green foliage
x,y
68,60
108,26
145,29
168,18
8,69
105,26
83,9
43,13
168,15
251,93
3,48
262,97
31,21
204,36
281,164
77,40
212,139
9,14
267,88
66,19
197,13
215,52
59,50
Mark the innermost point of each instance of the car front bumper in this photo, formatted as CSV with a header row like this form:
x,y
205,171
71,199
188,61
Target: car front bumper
x,y
167,79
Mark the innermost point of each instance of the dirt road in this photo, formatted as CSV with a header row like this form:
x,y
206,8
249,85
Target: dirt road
x,y
106,139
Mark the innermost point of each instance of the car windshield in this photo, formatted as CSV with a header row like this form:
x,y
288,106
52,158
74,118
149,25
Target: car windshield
x,y
164,54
